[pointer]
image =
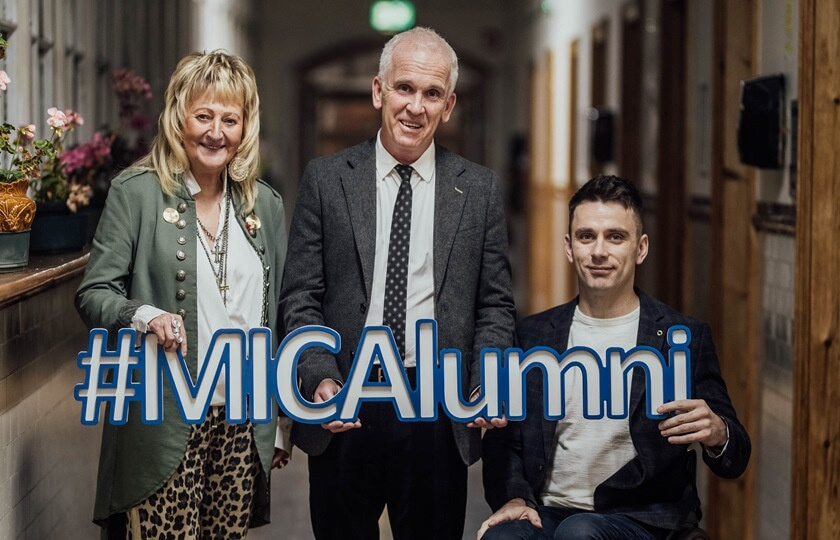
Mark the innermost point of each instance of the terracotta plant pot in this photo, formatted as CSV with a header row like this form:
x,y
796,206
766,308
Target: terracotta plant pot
x,y
16,214
16,209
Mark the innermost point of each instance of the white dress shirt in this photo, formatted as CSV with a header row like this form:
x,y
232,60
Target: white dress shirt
x,y
420,297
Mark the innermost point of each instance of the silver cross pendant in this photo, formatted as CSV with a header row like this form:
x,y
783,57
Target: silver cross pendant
x,y
217,252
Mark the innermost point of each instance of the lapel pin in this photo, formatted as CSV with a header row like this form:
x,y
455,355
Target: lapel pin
x,y
170,215
458,190
252,223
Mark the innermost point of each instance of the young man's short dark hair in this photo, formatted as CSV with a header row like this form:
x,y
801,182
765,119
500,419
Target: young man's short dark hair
x,y
609,188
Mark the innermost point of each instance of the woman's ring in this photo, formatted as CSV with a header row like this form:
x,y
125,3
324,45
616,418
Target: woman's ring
x,y
176,324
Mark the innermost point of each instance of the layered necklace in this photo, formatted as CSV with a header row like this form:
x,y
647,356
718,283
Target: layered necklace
x,y
219,253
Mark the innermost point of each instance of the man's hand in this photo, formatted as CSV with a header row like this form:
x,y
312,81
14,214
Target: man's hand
x,y
325,392
280,459
693,422
484,422
488,424
513,510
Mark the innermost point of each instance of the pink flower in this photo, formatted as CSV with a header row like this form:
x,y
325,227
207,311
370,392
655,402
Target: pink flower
x,y
100,147
73,159
86,158
78,195
57,119
28,131
73,118
130,88
4,79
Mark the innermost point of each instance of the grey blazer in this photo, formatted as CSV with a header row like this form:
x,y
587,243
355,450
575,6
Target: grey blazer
x,y
329,269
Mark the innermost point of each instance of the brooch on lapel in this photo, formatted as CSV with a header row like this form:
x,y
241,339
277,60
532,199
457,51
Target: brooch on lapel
x,y
253,224
170,215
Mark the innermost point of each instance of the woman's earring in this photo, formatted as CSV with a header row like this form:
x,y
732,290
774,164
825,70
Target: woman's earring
x,y
237,169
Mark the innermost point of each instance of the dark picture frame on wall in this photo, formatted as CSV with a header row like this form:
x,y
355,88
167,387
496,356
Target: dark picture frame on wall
x,y
761,121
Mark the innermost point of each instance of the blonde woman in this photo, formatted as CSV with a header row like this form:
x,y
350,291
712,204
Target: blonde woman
x,y
190,241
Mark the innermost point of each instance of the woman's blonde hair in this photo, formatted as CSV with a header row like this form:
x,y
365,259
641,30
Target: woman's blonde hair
x,y
220,76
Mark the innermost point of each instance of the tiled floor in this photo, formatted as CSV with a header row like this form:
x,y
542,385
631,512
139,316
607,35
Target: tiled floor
x,y
290,505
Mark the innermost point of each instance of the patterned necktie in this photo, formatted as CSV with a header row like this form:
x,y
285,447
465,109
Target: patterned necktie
x,y
396,284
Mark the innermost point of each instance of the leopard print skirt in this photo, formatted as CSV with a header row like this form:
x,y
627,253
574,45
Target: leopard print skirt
x,y
210,495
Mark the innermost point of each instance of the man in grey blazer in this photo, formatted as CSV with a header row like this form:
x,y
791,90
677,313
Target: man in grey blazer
x,y
390,231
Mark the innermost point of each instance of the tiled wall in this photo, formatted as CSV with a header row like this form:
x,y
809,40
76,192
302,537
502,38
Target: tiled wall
x,y
47,458
773,443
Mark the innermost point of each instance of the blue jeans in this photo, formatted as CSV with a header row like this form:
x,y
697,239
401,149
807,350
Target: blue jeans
x,y
571,524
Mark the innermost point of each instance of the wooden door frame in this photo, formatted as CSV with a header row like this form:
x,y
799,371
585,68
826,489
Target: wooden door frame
x,y
815,505
541,247
570,283
599,72
630,118
736,264
670,174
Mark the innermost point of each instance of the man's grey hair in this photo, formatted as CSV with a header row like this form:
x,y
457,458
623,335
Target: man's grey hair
x,y
422,38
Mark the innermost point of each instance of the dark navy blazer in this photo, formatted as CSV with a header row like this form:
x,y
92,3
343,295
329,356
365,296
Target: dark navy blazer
x,y
658,486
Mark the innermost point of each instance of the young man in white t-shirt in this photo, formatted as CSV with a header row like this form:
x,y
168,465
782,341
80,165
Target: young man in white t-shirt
x,y
609,478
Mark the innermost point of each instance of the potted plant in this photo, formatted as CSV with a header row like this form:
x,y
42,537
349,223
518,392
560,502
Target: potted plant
x,y
59,227
76,179
20,161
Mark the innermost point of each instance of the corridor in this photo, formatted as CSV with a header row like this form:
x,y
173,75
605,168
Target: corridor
x,y
723,113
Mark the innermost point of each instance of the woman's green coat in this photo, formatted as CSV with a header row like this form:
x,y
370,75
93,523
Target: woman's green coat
x,y
135,261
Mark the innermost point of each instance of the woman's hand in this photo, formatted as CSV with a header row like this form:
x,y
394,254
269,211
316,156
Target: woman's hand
x,y
280,459
170,331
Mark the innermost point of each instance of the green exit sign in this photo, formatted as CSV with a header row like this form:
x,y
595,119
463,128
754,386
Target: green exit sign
x,y
391,16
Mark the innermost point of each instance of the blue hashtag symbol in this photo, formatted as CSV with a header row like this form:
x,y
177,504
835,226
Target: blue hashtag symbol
x,y
108,376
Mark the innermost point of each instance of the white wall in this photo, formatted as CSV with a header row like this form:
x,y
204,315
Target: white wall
x,y
222,24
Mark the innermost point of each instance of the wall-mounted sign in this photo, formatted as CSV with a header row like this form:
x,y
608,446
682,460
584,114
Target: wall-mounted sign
x,y
391,16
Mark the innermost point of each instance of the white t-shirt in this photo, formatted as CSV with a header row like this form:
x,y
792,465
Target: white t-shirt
x,y
588,452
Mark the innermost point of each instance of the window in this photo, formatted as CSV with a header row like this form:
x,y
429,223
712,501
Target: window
x,y
42,75
8,25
